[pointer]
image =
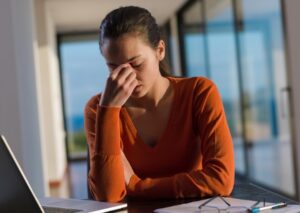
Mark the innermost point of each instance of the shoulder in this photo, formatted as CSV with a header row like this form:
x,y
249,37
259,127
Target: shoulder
x,y
204,87
91,105
206,96
198,85
202,92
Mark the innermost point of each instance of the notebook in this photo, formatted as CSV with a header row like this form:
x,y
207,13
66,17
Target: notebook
x,y
16,194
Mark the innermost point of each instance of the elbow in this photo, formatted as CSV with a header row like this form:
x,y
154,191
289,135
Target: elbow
x,y
225,189
105,194
226,178
220,182
226,184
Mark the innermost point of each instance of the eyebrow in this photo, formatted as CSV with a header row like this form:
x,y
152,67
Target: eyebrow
x,y
130,59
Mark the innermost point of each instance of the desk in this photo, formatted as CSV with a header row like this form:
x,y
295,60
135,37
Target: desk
x,y
241,190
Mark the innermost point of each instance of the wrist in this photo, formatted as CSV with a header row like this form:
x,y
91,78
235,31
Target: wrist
x,y
109,105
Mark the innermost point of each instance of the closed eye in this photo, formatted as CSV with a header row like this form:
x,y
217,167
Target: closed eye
x,y
136,65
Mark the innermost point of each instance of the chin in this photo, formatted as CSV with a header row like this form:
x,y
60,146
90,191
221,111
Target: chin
x,y
137,95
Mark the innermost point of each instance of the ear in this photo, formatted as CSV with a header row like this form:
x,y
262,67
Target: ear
x,y
161,50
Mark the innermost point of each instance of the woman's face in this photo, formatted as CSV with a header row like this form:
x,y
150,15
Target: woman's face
x,y
143,59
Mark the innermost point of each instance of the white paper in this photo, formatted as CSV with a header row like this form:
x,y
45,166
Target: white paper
x,y
193,206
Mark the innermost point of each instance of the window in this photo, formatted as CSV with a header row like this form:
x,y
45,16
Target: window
x,y
83,73
192,40
265,87
209,49
239,44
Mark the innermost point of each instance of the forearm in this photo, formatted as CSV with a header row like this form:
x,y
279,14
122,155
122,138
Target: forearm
x,y
107,131
199,183
106,176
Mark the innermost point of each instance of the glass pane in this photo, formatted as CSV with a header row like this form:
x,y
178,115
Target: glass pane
x,y
83,75
193,39
222,63
264,91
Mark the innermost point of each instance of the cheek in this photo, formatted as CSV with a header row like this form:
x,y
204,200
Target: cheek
x,y
152,66
147,71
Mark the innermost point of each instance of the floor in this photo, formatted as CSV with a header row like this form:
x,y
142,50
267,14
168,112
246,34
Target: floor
x,y
74,185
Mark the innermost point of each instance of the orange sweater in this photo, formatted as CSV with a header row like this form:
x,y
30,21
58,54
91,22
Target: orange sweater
x,y
193,158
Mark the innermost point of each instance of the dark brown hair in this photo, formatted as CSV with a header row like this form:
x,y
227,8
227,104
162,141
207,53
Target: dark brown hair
x,y
132,19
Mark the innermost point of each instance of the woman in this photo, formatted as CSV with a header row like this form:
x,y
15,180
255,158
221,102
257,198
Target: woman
x,y
153,136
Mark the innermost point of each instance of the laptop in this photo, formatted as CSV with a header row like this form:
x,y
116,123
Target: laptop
x,y
16,194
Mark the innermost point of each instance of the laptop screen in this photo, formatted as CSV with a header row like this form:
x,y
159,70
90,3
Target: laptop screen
x,y
15,195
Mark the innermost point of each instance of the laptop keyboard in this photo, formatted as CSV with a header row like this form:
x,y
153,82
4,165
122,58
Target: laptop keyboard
x,y
59,210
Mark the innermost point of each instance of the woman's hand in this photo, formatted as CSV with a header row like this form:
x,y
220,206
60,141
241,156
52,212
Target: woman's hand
x,y
119,86
128,171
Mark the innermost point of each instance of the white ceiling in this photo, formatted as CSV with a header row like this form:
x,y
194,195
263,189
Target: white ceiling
x,y
86,15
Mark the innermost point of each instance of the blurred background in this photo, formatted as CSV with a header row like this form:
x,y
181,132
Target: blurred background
x,y
50,65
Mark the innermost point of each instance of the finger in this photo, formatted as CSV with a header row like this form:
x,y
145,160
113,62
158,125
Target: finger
x,y
130,77
129,80
120,67
132,86
124,74
114,74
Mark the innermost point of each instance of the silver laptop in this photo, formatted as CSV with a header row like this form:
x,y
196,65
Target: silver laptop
x,y
16,194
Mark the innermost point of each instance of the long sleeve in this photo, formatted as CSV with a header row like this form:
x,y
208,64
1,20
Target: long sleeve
x,y
217,174
106,175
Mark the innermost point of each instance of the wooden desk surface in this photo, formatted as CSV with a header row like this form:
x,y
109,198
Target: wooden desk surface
x,y
241,190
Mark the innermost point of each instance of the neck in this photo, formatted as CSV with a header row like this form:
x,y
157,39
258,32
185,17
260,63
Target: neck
x,y
154,97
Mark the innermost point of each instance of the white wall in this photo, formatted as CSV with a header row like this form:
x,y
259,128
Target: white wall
x,y
19,109
50,94
30,108
293,46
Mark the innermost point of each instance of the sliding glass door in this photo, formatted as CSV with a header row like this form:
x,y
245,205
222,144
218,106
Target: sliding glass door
x,y
239,44
265,94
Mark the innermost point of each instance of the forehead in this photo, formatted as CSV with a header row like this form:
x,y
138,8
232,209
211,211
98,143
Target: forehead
x,y
118,50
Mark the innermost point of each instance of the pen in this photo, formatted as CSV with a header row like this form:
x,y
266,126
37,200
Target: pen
x,y
274,206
